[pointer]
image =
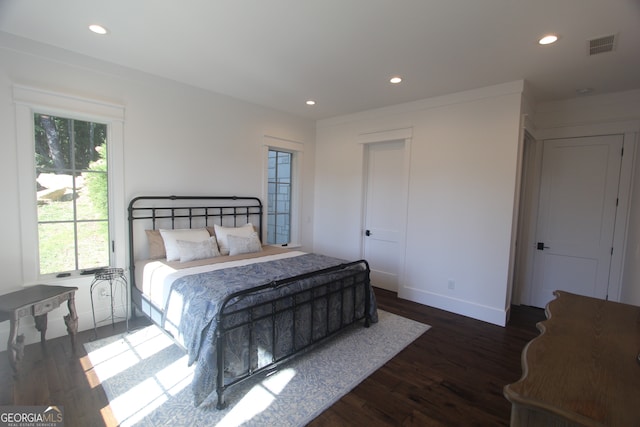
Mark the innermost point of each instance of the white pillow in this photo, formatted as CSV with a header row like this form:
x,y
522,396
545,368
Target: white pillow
x,y
191,251
171,238
223,232
244,245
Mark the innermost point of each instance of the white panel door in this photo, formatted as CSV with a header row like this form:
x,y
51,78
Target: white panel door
x,y
576,216
385,212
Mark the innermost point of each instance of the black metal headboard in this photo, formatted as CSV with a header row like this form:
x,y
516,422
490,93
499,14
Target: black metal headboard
x,y
171,212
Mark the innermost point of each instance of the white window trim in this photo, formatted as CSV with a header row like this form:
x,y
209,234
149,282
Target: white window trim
x,y
297,149
29,101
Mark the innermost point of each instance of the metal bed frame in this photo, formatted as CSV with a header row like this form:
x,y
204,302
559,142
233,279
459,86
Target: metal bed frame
x,y
345,282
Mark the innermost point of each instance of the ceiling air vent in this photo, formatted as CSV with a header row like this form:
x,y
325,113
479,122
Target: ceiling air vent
x,y
602,44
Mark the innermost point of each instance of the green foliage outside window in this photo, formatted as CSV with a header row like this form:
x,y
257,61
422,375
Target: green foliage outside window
x,y
71,175
96,183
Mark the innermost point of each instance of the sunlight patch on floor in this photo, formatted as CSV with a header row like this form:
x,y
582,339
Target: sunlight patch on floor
x,y
144,398
123,354
117,361
258,398
114,359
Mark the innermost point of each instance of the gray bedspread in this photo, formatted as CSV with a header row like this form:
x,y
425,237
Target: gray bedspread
x,y
194,302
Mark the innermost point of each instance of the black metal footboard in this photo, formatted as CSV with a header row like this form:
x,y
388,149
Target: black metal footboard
x,y
316,306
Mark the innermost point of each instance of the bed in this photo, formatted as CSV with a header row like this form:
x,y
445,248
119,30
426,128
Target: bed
x,y
238,308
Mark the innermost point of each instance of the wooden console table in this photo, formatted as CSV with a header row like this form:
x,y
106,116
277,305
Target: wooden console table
x,y
584,367
36,301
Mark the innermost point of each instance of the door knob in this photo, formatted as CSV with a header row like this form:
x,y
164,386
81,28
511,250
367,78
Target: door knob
x,y
367,233
541,246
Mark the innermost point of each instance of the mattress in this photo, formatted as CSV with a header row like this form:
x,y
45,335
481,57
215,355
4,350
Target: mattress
x,y
155,277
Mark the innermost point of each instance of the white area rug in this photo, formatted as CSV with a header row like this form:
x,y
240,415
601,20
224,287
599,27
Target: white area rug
x,y
148,383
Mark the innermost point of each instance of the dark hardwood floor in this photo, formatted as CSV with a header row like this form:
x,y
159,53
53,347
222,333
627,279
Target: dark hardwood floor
x,y
453,375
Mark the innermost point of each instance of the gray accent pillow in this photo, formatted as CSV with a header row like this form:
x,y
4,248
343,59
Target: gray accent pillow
x,y
244,245
191,251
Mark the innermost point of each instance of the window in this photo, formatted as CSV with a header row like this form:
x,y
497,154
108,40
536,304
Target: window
x,y
282,191
71,184
71,171
279,197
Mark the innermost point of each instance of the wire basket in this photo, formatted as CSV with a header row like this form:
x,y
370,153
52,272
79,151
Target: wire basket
x,y
109,274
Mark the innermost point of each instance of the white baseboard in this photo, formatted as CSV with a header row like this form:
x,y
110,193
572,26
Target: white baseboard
x,y
465,308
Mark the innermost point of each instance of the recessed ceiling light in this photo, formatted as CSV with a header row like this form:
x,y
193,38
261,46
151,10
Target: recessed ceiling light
x,y
548,39
311,102
98,29
395,80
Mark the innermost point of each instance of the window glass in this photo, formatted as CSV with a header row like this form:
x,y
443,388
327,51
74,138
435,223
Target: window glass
x,y
72,194
279,197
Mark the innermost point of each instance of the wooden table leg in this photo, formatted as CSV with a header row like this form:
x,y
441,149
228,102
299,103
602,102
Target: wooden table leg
x,y
41,325
15,345
71,320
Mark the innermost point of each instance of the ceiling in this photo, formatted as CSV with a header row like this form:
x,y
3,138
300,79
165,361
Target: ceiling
x,y
341,53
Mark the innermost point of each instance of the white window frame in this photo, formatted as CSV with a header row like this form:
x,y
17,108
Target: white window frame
x,y
29,101
297,151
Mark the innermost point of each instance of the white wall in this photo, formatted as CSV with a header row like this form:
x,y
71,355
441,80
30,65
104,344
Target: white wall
x,y
604,114
178,140
463,171
464,163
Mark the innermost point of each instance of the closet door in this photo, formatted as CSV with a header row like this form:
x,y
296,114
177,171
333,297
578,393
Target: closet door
x,y
576,216
385,211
